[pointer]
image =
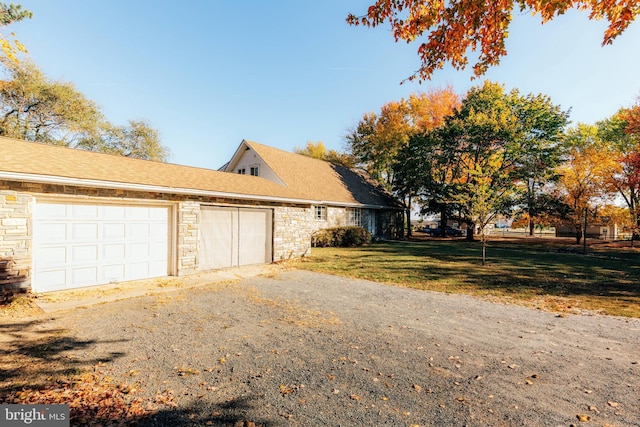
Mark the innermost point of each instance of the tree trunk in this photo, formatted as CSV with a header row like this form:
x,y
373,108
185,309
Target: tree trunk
x,y
578,236
444,219
470,231
409,216
532,226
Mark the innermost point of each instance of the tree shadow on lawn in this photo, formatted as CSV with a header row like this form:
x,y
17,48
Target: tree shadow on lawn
x,y
532,271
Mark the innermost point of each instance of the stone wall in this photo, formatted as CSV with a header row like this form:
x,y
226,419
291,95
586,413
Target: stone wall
x,y
15,241
293,224
292,229
187,238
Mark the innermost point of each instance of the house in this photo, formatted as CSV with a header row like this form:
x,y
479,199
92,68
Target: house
x,y
594,231
72,218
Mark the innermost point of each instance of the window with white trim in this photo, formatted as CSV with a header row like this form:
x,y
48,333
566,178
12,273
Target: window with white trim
x,y
255,171
242,171
354,217
320,213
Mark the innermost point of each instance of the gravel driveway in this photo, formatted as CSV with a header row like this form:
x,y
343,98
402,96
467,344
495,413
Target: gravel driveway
x,y
302,349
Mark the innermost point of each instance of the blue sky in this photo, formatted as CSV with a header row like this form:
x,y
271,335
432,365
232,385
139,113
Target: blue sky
x,y
207,74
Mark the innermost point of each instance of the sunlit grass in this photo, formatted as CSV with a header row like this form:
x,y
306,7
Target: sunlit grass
x,y
606,280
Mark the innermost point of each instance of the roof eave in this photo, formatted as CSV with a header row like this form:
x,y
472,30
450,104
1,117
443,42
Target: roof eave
x,y
79,182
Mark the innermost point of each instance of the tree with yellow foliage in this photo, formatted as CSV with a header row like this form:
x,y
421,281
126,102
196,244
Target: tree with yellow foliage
x,y
10,13
585,173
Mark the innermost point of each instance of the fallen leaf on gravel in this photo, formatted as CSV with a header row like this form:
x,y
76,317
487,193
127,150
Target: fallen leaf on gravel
x,y
384,398
588,391
593,409
355,397
417,388
613,404
529,382
182,371
583,418
535,376
513,366
335,391
285,390
460,399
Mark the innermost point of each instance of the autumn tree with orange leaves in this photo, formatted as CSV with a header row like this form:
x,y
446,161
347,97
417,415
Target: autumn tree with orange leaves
x,y
453,28
622,133
585,174
378,138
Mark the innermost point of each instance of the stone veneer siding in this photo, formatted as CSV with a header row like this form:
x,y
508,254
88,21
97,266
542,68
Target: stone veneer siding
x,y
15,241
293,224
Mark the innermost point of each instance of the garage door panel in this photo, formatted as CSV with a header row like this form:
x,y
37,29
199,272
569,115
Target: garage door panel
x,y
84,211
114,231
52,232
113,273
114,213
158,251
52,279
157,268
139,270
53,211
253,237
82,245
54,255
138,251
156,230
83,254
231,237
84,276
113,251
84,231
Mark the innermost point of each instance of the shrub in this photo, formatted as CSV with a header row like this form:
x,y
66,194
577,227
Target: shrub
x,y
340,236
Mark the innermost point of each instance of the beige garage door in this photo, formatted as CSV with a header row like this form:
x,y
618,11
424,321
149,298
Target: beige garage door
x,y
76,245
231,237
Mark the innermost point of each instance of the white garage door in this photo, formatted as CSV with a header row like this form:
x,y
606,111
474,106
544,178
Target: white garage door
x,y
231,237
78,245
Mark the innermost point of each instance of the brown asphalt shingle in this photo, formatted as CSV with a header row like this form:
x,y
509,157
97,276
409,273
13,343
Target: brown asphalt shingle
x,y
42,159
305,178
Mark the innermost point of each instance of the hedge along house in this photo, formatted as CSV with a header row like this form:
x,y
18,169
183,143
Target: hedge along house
x,y
72,218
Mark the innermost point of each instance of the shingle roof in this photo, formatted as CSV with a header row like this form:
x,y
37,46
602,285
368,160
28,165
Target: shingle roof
x,y
47,160
305,179
320,180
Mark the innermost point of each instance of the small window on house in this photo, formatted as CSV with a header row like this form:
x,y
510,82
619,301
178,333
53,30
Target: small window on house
x,y
321,213
354,217
242,171
255,171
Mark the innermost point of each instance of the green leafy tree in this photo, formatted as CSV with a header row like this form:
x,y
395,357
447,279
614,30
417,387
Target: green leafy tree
x,y
34,108
378,140
138,139
542,130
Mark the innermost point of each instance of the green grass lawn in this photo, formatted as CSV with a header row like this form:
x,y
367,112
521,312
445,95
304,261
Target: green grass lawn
x,y
533,272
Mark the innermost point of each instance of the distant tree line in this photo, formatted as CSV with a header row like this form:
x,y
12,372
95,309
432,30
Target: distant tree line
x,y
494,152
